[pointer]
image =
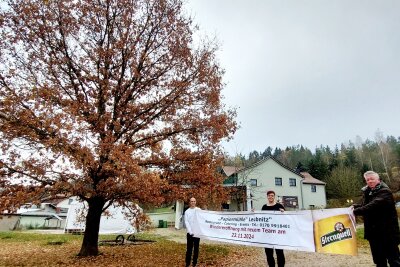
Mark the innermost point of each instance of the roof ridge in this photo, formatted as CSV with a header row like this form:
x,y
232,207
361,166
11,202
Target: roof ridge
x,y
274,159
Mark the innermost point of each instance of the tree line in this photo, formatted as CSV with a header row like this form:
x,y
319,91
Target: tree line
x,y
340,167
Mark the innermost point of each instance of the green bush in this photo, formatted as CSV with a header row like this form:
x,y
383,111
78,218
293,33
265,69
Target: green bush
x,y
342,202
31,226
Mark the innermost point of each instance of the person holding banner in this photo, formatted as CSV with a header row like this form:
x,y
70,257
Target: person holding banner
x,y
192,243
381,227
273,205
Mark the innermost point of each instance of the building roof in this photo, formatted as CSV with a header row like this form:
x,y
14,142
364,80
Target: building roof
x,y
229,170
42,213
308,179
54,199
277,161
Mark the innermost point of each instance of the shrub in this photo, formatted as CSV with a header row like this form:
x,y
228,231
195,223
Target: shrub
x,y
31,226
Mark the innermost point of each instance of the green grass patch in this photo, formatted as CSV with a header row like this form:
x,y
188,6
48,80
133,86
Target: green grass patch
x,y
5,236
148,236
36,237
361,242
160,210
138,236
107,237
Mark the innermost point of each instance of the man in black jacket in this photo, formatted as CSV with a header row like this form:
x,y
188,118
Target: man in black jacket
x,y
381,227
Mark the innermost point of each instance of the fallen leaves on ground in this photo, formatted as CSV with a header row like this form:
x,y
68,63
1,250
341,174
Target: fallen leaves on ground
x,y
27,249
36,250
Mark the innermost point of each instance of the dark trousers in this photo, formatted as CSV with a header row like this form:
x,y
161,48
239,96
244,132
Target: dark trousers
x,y
192,244
384,251
279,256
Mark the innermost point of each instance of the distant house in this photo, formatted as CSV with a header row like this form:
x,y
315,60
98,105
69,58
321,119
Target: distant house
x,y
60,213
50,213
230,172
46,215
314,194
293,189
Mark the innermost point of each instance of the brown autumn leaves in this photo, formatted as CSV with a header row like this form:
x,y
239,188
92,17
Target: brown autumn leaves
x,y
108,101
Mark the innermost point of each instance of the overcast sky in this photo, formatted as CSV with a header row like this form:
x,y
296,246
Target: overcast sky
x,y
307,72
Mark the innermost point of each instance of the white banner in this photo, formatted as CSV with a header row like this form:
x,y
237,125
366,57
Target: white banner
x,y
290,230
284,230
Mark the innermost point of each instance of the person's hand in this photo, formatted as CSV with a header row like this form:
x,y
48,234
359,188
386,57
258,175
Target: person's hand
x,y
252,209
282,210
352,215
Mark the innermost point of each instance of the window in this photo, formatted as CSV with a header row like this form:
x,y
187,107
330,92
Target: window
x,y
313,188
253,182
235,178
290,201
278,181
292,181
225,206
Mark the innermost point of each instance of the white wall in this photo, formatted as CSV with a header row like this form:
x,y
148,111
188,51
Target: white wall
x,y
179,206
39,221
165,216
265,174
317,199
8,222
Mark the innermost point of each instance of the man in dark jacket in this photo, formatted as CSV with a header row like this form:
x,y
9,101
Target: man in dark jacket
x,y
381,227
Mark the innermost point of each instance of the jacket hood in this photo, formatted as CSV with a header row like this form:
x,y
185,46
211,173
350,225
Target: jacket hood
x,y
382,185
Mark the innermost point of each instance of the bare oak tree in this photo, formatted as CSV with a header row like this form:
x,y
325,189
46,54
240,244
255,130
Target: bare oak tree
x,y
108,100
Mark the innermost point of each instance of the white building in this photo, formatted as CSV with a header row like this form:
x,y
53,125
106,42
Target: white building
x,y
293,189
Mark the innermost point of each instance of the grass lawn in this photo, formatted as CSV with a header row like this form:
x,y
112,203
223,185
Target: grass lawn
x,y
165,209
32,249
361,242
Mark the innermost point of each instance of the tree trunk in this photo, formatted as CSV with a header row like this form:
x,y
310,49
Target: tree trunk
x,y
384,160
90,239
